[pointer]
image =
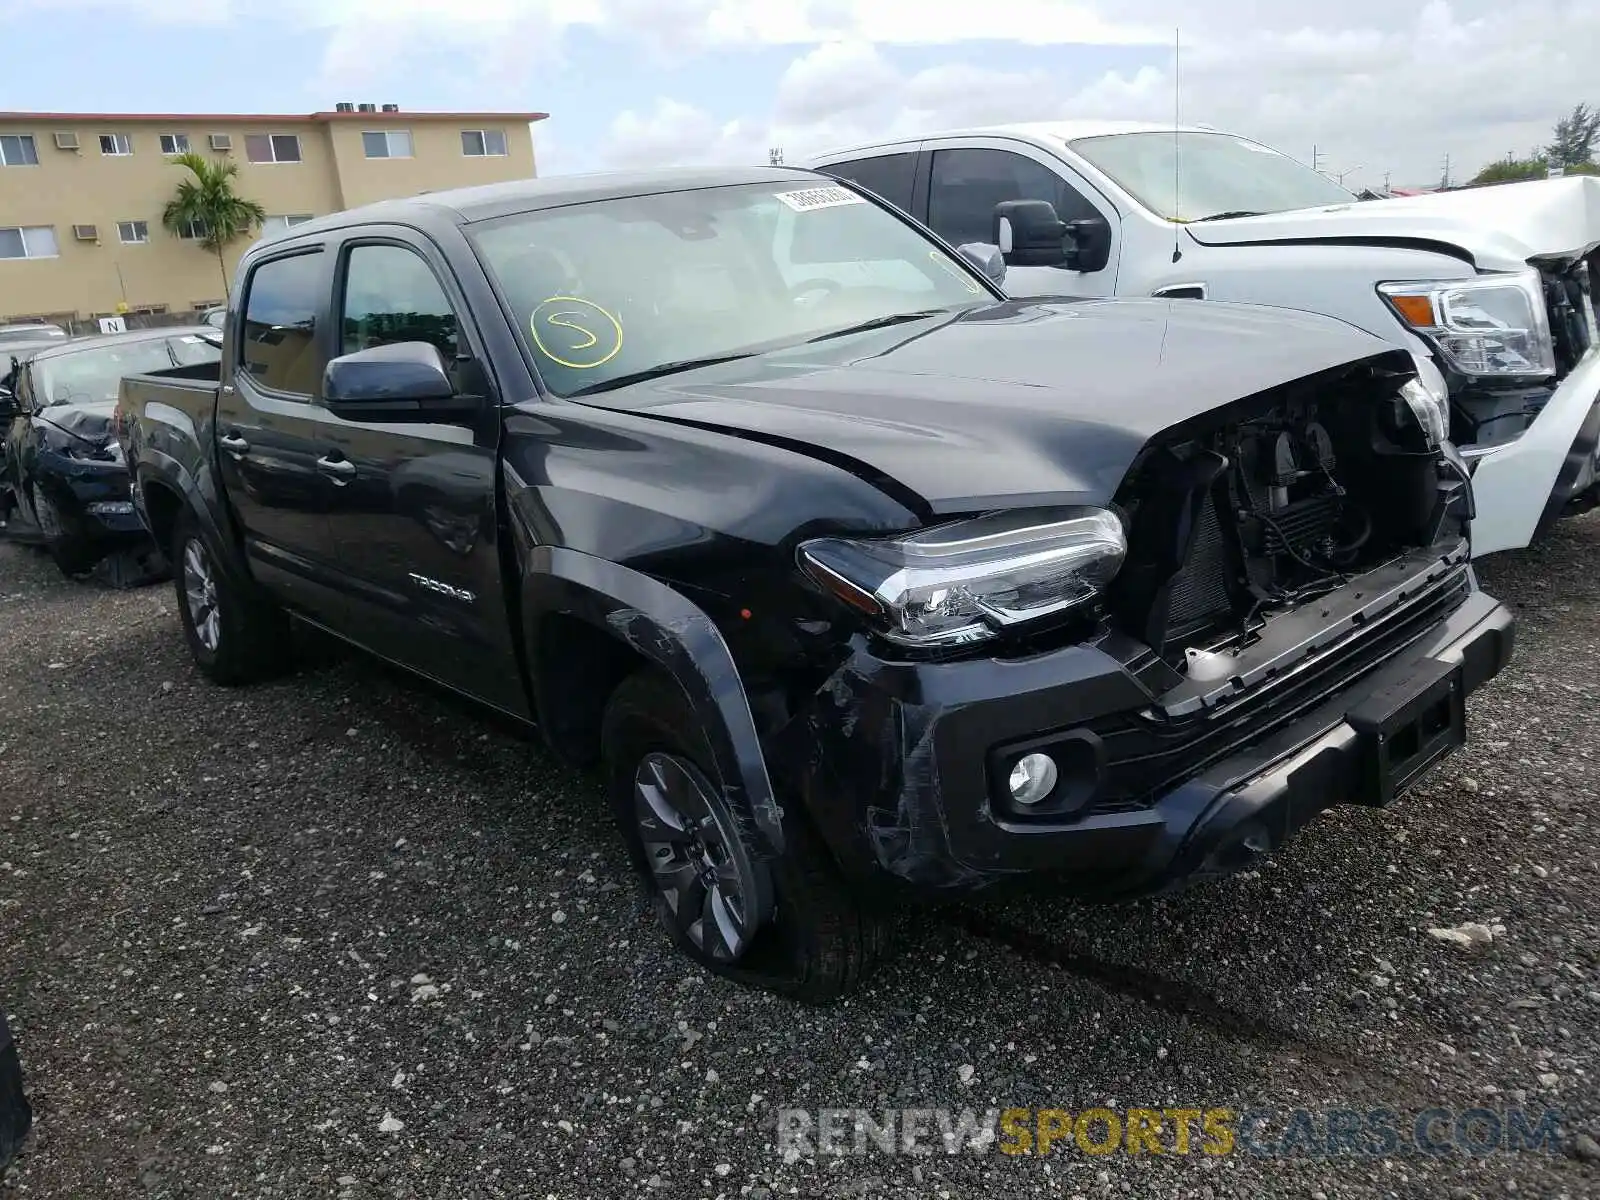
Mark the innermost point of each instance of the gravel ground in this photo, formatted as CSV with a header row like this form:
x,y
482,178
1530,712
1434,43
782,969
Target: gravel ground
x,y
337,936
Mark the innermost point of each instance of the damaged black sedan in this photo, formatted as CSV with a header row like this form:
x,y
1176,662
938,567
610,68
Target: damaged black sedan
x,y
63,482
858,580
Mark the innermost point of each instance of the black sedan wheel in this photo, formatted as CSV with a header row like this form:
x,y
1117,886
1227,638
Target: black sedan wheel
x,y
72,552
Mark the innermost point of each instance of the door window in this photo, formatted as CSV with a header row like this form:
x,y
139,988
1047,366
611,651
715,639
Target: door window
x,y
392,295
888,176
279,347
968,183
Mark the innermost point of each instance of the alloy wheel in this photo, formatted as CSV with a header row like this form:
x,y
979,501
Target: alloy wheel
x,y
712,890
200,588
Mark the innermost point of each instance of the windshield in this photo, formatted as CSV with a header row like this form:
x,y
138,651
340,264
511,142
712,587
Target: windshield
x,y
647,284
30,333
1217,173
95,374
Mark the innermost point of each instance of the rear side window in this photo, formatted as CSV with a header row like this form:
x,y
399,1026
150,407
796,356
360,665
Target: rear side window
x,y
278,349
888,176
966,184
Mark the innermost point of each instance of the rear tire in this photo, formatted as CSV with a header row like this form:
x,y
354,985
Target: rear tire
x,y
819,945
235,636
73,554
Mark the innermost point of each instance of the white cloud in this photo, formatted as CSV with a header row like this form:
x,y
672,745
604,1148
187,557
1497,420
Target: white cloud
x,y
1378,87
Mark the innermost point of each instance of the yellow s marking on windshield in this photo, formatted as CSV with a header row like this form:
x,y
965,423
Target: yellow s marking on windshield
x,y
966,280
585,335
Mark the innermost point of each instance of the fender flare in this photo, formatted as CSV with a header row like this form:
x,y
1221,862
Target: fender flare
x,y
154,466
671,631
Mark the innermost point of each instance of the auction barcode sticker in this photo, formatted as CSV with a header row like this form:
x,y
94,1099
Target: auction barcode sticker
x,y
819,197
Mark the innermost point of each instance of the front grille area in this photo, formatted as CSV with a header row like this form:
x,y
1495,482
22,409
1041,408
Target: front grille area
x,y
1145,758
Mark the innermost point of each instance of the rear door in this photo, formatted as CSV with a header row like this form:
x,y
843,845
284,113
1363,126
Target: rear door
x,y
415,518
272,432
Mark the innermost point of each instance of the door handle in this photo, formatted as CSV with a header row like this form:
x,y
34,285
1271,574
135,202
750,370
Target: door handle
x,y
233,443
342,470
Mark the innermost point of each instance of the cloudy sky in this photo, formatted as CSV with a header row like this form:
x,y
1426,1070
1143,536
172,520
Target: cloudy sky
x,y
1378,86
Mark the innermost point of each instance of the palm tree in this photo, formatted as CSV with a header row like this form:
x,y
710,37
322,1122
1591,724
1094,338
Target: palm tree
x,y
207,204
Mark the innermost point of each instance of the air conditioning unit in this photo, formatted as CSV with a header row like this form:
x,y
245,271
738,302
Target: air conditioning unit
x,y
222,141
86,233
66,141
366,108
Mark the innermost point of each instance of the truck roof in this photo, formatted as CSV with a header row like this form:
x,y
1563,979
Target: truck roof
x,y
524,195
1057,131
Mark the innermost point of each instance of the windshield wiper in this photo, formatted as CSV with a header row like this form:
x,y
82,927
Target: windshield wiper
x,y
881,323
1228,216
657,371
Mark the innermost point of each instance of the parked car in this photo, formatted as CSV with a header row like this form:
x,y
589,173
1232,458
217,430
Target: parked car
x,y
215,316
1494,286
858,580
23,338
63,483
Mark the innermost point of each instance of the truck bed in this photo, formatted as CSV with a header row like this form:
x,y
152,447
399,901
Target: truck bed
x,y
169,409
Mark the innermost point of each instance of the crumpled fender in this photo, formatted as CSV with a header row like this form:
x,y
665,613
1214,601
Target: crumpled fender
x,y
671,631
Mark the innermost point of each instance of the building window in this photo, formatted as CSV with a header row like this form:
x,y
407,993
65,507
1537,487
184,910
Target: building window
x,y
29,241
116,145
272,148
393,143
133,233
273,226
483,143
17,150
193,231
174,143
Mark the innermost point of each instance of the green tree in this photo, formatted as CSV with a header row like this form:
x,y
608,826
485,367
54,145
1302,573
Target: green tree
x,y
1574,138
1511,170
207,204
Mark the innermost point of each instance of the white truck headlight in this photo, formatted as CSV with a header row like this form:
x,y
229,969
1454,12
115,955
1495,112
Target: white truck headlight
x,y
1489,326
1429,400
965,581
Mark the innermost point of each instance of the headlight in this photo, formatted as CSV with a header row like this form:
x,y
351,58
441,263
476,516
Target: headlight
x,y
111,452
964,582
1492,325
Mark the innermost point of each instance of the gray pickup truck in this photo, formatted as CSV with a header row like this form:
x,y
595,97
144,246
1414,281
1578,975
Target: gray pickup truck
x,y
858,580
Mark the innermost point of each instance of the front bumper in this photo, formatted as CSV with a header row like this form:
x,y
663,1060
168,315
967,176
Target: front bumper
x,y
897,763
95,499
1518,488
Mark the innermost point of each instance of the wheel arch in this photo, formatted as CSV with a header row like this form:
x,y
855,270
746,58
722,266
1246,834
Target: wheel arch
x,y
588,623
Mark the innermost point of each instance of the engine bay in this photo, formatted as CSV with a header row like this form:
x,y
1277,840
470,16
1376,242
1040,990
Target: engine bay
x,y
1231,525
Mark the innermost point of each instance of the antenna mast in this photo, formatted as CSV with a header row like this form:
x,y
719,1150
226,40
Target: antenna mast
x,y
1177,207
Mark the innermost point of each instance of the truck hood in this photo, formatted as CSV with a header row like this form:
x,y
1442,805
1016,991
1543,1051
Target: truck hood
x,y
1029,402
1499,227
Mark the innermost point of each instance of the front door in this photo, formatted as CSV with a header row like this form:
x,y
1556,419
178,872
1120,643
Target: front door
x,y
967,180
415,520
271,432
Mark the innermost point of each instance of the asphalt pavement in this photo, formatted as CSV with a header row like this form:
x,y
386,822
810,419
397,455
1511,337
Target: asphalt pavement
x,y
340,936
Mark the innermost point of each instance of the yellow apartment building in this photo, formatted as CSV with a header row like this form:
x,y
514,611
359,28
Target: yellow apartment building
x,y
81,194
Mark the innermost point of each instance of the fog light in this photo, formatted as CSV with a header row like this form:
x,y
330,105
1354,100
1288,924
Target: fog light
x,y
110,508
1033,778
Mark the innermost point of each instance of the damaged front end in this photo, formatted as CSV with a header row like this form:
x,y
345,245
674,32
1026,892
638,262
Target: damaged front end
x,y
1280,616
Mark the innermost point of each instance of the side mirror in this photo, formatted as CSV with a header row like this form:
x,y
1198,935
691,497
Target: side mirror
x,y
1089,244
1029,233
404,381
990,262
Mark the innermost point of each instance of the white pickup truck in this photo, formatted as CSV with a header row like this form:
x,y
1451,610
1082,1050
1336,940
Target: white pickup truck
x,y
1494,287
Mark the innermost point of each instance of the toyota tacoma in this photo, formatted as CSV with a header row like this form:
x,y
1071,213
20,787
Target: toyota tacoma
x,y
857,580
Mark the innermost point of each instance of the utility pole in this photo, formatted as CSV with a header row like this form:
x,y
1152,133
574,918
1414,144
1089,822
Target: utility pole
x,y
1445,185
775,156
1316,158
1386,183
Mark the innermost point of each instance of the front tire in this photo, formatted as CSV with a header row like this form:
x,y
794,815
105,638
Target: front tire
x,y
817,946
234,636
72,553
